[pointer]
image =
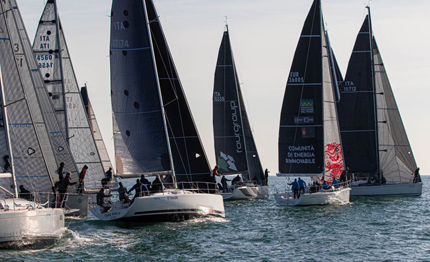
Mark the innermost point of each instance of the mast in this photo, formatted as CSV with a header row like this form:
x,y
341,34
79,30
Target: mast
x,y
375,109
163,112
6,126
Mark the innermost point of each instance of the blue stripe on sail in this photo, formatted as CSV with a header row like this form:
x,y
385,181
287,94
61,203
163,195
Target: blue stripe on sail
x,y
132,49
363,33
310,36
34,176
55,132
21,124
4,38
34,70
137,113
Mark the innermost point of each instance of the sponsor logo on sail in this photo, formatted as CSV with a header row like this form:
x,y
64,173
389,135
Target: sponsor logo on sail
x,y
226,162
236,125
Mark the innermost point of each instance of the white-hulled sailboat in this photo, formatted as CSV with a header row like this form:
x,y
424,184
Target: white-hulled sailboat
x,y
234,143
26,146
377,149
309,137
55,64
154,131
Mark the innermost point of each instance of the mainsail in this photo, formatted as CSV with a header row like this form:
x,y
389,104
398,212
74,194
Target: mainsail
x,y
54,62
235,148
374,137
153,125
36,141
309,138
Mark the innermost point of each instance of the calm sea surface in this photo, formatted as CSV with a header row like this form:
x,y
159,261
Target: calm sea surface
x,y
368,229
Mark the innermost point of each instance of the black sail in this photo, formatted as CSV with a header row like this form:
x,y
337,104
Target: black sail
x,y
230,148
357,108
301,126
309,135
235,147
139,135
144,83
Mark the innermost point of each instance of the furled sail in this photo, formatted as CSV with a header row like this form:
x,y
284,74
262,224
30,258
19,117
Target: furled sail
x,y
148,101
54,62
309,139
235,148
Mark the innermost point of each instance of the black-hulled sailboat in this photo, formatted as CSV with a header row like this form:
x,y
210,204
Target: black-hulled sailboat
x,y
309,137
235,149
154,131
377,149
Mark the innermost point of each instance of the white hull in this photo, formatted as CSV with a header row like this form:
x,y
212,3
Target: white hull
x,y
172,205
412,189
339,196
29,228
241,193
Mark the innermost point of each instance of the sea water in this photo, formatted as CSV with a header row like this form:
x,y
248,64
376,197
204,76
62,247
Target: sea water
x,y
367,229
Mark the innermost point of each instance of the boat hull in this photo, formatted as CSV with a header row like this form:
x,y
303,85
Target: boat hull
x,y
241,193
79,204
174,205
411,189
30,228
340,196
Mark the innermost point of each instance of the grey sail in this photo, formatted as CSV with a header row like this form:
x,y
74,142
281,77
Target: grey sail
x,y
235,147
31,118
395,153
55,64
153,126
101,147
309,135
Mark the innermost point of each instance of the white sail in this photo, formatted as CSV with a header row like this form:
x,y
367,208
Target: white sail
x,y
30,120
54,62
333,158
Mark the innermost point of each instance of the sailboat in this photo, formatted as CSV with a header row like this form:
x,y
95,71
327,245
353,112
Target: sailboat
x,y
26,145
234,143
154,131
309,137
53,57
377,149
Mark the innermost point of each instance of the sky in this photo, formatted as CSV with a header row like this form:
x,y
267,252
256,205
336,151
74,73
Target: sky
x,y
264,35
